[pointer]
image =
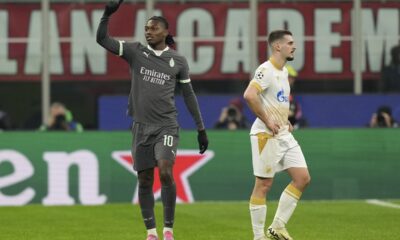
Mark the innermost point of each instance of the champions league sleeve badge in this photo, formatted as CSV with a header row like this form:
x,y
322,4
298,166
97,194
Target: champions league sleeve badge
x,y
259,75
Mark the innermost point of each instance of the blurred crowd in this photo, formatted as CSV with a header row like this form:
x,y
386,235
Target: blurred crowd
x,y
59,119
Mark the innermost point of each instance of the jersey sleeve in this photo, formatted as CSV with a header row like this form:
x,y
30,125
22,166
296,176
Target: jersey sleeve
x,y
191,104
183,75
128,50
260,80
104,39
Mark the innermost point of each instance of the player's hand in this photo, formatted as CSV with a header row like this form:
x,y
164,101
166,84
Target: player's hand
x,y
203,140
274,127
112,6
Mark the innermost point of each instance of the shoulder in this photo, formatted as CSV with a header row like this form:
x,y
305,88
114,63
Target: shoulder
x,y
134,45
265,67
264,71
173,53
177,57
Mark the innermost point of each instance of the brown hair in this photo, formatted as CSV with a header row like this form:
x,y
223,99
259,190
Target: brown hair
x,y
277,35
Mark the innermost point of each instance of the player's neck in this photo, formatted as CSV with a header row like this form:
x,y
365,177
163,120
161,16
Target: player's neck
x,y
277,61
159,47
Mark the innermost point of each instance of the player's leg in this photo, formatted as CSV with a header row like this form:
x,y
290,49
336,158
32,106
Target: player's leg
x,y
168,196
146,201
291,195
263,168
165,151
143,154
258,206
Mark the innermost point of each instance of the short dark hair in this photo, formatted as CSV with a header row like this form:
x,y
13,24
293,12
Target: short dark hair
x,y
277,34
169,40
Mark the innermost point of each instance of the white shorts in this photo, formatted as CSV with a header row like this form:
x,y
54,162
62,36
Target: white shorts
x,y
275,154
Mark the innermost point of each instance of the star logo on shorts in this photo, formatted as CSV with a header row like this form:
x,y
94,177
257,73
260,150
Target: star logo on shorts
x,y
187,162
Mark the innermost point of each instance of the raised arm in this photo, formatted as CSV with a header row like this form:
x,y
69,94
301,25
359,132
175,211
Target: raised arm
x,y
192,105
102,36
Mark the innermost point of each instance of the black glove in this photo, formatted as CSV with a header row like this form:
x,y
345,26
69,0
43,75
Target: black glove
x,y
203,140
111,7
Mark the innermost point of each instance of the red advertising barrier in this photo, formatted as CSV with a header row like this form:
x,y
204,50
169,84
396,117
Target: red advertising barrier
x,y
213,36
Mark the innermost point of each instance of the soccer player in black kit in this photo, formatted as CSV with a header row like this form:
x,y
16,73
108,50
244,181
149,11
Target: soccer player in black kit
x,y
156,70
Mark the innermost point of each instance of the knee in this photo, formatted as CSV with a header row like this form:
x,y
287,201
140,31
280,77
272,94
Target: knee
x,y
263,187
266,187
145,180
307,180
166,177
303,181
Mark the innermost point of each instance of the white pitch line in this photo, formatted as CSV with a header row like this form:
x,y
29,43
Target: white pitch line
x,y
383,203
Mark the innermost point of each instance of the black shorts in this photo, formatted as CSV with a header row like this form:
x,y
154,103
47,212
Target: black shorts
x,y
151,143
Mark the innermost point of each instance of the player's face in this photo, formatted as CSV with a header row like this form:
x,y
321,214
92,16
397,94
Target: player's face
x,y
155,33
288,47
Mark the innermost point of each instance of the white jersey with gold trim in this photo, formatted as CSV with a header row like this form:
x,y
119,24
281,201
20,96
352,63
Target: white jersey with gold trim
x,y
274,89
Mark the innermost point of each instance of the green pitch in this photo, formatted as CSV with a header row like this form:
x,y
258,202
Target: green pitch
x,y
313,220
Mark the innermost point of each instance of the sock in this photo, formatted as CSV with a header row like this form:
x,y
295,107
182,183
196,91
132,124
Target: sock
x,y
146,202
152,231
287,204
166,229
258,212
168,197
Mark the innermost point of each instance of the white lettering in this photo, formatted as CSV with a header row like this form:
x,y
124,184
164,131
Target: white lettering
x,y
22,170
33,63
325,40
154,73
83,44
237,44
7,66
59,164
196,22
379,37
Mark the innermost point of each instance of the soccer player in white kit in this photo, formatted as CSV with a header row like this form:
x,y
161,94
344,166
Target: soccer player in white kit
x,y
274,148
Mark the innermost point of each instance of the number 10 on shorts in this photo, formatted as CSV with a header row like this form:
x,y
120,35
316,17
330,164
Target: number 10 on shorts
x,y
168,140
